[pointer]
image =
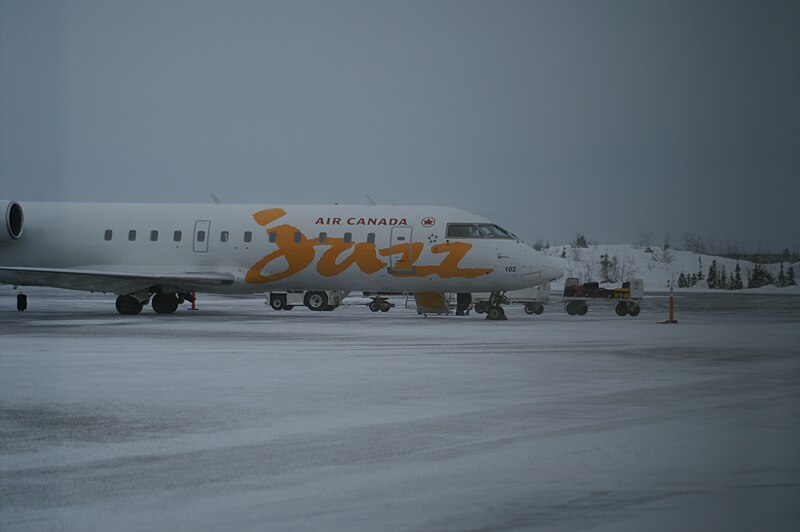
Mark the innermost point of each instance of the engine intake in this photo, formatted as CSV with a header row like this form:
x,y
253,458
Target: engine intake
x,y
13,221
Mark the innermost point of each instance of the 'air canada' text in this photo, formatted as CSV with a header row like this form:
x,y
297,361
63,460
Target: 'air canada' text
x,y
361,221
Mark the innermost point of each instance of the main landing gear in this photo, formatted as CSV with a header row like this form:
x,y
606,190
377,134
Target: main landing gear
x,y
162,302
129,305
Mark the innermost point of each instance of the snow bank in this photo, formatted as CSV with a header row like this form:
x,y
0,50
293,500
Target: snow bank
x,y
658,269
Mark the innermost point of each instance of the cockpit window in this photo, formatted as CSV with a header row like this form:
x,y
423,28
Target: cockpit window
x,y
494,231
463,231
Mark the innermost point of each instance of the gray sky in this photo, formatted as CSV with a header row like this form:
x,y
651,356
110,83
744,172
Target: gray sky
x,y
607,118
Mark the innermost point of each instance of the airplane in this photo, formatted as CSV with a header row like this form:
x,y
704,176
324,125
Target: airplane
x,y
164,252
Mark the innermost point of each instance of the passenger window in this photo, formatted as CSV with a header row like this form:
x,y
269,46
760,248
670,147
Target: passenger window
x,y
348,237
224,236
323,237
298,236
371,238
248,236
109,234
132,235
177,235
153,236
463,231
201,236
273,236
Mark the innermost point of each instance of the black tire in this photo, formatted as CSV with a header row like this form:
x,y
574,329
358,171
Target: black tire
x,y
539,309
572,308
165,303
384,307
316,300
277,302
633,310
530,308
374,306
495,313
621,308
129,305
583,309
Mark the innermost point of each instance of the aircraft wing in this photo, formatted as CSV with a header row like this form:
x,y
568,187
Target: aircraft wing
x,y
116,282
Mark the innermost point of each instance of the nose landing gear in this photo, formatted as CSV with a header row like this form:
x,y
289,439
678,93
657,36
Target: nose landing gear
x,y
495,311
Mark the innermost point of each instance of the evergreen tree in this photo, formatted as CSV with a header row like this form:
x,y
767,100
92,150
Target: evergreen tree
x,y
781,278
759,277
712,274
682,280
699,268
790,276
693,279
737,278
723,279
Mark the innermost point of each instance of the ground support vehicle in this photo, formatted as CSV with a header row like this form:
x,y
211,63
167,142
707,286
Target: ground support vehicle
x,y
533,299
313,299
628,297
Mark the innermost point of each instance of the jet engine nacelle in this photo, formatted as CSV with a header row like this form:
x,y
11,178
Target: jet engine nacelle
x,y
13,220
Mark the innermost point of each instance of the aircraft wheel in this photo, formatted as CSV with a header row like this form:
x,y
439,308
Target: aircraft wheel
x,y
633,310
621,308
277,302
583,309
165,303
316,300
495,313
539,309
530,308
129,305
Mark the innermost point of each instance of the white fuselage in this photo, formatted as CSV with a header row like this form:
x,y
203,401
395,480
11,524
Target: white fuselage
x,y
263,248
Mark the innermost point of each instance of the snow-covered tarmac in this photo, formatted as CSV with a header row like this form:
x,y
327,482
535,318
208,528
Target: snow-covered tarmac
x,y
236,417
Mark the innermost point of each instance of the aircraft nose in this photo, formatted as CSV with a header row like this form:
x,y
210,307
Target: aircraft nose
x,y
543,270
552,272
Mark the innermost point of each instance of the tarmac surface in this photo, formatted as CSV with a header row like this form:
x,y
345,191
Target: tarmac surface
x,y
242,418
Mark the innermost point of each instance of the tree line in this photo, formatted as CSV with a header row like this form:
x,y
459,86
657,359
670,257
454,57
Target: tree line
x,y
718,278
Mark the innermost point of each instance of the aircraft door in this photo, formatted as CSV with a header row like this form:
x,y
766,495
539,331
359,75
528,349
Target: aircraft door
x,y
201,236
401,257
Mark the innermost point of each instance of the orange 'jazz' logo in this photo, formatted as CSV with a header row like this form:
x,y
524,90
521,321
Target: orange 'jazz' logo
x,y
299,254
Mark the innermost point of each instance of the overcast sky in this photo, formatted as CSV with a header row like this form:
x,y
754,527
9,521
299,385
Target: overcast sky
x,y
606,118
